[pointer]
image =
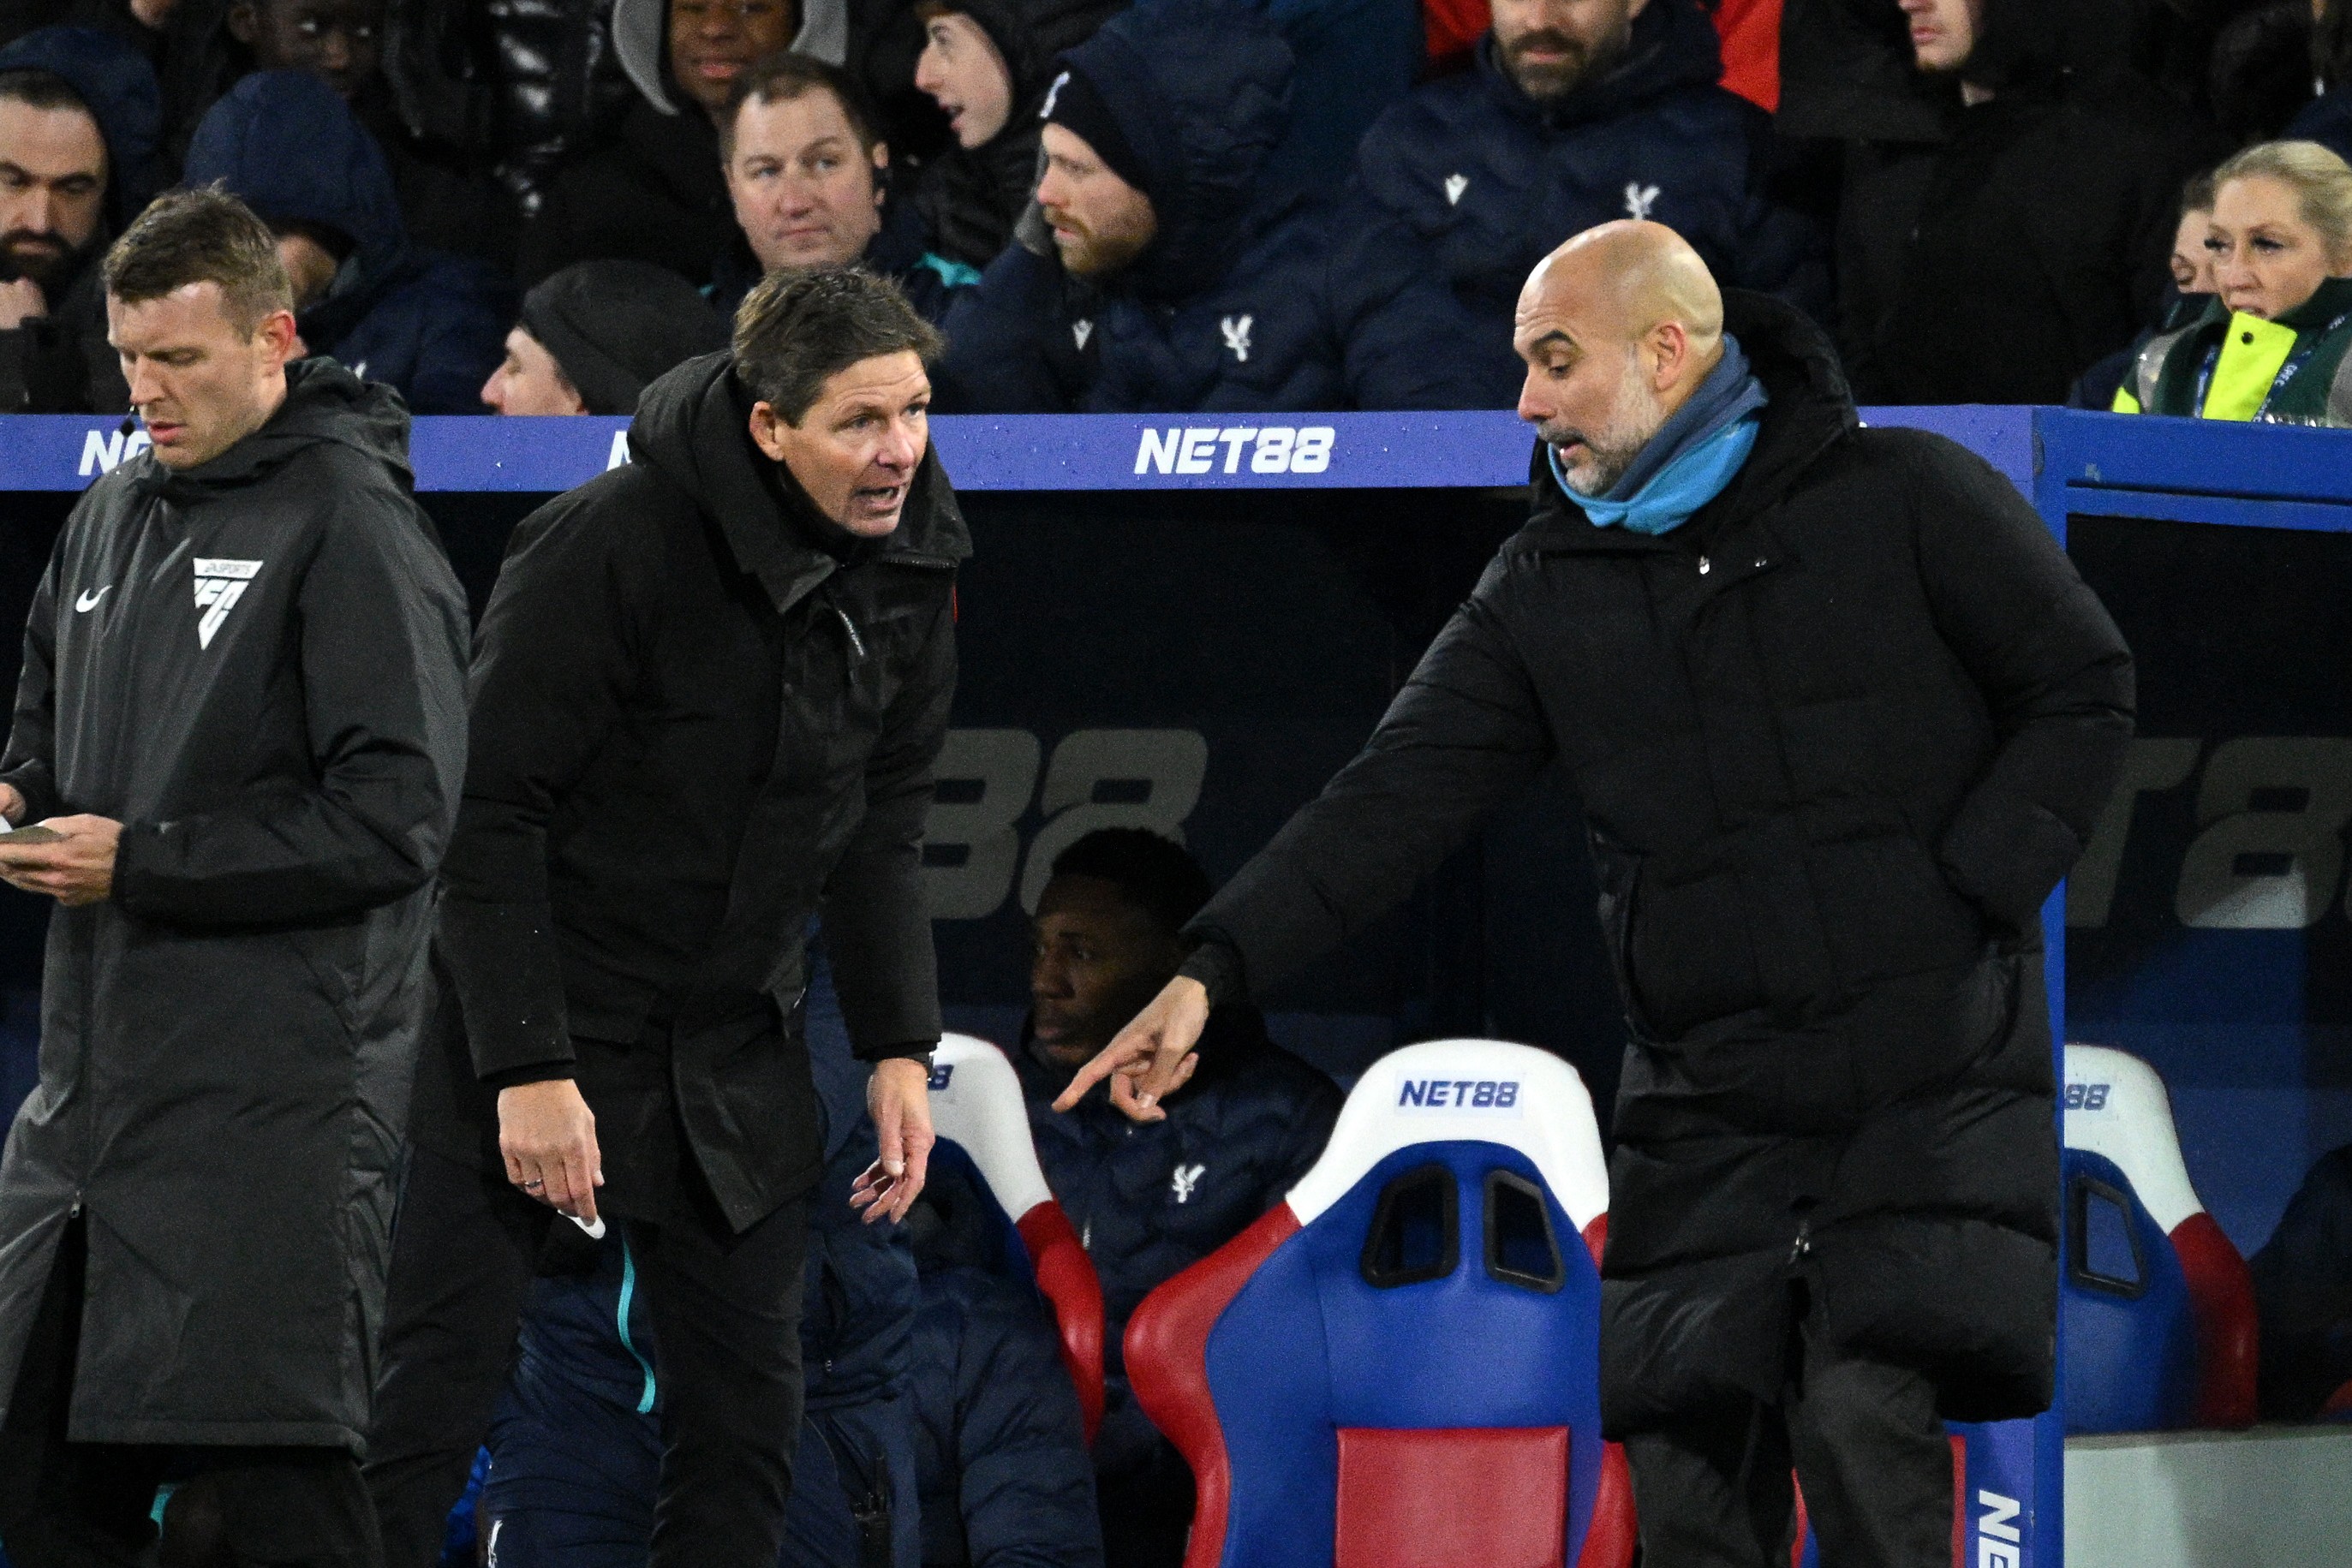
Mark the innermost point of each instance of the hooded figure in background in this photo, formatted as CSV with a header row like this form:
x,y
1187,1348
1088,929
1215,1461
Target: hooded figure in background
x,y
1995,254
429,324
1177,276
987,64
59,361
653,190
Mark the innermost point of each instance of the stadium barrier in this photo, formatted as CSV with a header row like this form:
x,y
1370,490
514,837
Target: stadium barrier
x,y
1189,623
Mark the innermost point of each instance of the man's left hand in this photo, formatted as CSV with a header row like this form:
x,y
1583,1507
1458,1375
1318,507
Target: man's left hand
x,y
78,871
898,1096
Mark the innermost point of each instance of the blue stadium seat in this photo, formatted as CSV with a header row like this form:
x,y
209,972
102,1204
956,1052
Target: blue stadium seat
x,y
2156,1306
1397,1368
978,1111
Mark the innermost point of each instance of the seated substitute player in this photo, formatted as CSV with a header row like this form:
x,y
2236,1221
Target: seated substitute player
x,y
1149,1201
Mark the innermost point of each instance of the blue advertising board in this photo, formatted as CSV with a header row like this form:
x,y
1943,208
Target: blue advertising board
x,y
1189,623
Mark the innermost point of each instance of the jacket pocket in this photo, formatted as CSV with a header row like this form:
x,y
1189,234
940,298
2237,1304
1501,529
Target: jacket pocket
x,y
1887,910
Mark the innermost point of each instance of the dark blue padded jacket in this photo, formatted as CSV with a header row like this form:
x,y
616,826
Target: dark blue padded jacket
x,y
1151,1199
1491,181
430,326
1249,298
1000,1445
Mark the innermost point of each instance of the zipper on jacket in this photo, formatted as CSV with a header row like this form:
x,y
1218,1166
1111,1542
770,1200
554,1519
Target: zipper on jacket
x,y
1804,1245
857,643
1705,566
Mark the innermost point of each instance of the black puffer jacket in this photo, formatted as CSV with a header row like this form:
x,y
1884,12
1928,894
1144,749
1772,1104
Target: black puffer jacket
x,y
1837,738
1149,1201
1996,260
703,714
257,666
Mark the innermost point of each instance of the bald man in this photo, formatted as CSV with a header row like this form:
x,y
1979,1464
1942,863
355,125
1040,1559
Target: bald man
x,y
1841,716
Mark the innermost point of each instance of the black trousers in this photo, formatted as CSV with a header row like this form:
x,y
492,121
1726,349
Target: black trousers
x,y
726,1314
64,1504
1865,1440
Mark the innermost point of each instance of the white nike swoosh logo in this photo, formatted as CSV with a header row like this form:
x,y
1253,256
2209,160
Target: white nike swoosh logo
x,y
89,602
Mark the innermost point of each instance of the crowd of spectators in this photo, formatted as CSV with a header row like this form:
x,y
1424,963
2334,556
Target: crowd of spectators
x,y
1182,205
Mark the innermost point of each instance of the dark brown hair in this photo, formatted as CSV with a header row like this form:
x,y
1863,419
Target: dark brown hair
x,y
784,76
36,89
800,327
205,236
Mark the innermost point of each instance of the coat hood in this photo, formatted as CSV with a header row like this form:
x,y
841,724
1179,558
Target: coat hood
x,y
324,403
119,86
1201,92
640,42
692,426
1674,47
1811,409
1031,35
284,143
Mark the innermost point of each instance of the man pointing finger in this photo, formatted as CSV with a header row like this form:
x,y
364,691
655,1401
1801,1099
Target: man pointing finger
x,y
1840,715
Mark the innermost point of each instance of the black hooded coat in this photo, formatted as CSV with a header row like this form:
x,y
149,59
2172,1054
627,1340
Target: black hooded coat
x,y
1837,738
61,362
701,715
2025,238
971,196
257,666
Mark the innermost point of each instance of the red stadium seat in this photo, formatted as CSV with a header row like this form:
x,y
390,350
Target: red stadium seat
x,y
1398,1366
976,1105
2158,1307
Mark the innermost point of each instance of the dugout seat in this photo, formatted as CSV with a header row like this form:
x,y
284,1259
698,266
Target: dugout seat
x,y
2155,1305
1398,1365
978,1111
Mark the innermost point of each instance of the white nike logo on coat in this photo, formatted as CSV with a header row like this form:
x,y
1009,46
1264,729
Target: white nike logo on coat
x,y
220,583
89,602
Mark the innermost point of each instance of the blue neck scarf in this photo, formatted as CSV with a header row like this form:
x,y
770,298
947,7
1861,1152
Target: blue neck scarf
x,y
1687,464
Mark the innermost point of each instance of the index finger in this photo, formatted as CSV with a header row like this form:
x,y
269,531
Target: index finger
x,y
1108,1061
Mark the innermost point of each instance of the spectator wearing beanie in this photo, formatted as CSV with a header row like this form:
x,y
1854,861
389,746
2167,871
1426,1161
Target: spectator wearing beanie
x,y
987,64
592,336
1572,116
1176,279
427,324
79,120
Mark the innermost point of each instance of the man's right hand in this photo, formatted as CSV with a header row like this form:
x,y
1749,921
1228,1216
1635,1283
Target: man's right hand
x,y
21,300
548,1138
1151,1058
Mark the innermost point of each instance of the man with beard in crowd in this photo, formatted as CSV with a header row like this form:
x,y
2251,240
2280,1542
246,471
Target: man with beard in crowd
x,y
79,115
1574,112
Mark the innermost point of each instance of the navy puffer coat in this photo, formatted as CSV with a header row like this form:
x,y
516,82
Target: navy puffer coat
x,y
1249,298
1491,181
429,324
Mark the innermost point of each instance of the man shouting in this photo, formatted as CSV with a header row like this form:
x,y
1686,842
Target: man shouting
x,y
241,732
1840,715
707,696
